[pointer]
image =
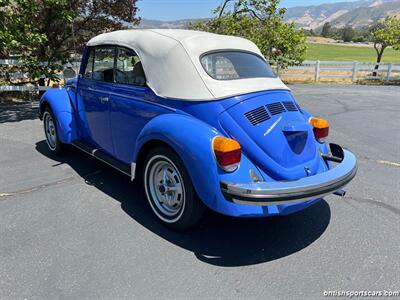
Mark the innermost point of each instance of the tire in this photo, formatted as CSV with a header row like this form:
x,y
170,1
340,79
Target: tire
x,y
51,133
169,190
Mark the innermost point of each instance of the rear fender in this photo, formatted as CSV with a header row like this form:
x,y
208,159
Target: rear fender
x,y
60,102
192,139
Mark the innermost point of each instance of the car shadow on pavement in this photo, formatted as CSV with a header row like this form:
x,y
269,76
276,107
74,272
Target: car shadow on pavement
x,y
217,240
18,111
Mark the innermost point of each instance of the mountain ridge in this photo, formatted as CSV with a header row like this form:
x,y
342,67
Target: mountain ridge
x,y
357,14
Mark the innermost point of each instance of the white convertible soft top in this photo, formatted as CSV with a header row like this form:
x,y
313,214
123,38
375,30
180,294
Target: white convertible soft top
x,y
171,62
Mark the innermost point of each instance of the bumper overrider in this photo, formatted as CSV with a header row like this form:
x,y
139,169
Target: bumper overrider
x,y
301,190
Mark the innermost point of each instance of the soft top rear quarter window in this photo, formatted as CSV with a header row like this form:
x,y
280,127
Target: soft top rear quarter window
x,y
232,65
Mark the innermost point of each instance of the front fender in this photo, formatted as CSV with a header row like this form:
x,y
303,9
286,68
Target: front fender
x,y
61,105
191,139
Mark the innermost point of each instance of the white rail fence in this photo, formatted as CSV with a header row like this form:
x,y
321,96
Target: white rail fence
x,y
353,71
309,70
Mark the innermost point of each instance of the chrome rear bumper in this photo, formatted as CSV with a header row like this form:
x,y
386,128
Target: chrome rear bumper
x,y
301,190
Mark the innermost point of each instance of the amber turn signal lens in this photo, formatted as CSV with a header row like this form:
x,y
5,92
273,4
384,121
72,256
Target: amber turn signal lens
x,y
227,153
319,123
320,128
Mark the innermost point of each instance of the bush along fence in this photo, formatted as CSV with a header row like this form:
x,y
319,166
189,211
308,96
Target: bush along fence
x,y
21,76
314,71
341,71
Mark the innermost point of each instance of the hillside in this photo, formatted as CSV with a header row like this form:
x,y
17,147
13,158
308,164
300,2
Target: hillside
x,y
178,24
365,16
357,14
146,23
311,17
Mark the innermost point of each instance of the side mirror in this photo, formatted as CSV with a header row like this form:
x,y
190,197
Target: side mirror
x,y
69,73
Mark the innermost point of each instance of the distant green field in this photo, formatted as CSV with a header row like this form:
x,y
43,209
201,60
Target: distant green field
x,y
348,53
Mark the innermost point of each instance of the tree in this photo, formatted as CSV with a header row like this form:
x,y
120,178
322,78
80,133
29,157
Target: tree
x,y
260,21
326,30
348,34
385,34
49,31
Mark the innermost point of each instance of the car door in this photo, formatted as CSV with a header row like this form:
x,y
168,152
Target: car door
x,y
130,105
95,86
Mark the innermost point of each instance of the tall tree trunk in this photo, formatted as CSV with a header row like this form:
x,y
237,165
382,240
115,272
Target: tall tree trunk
x,y
379,54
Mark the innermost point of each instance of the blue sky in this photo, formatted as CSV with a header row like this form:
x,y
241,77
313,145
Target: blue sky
x,y
187,9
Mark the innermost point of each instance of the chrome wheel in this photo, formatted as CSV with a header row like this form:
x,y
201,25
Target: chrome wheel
x,y
164,188
50,130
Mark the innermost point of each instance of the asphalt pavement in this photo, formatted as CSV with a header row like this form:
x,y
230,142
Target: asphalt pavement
x,y
73,228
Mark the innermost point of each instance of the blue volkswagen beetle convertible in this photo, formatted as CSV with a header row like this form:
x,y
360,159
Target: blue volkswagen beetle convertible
x,y
201,120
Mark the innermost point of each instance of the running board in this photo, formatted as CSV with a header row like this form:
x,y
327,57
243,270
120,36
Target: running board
x,y
106,158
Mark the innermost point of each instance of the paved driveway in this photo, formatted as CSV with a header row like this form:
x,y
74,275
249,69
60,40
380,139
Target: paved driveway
x,y
72,228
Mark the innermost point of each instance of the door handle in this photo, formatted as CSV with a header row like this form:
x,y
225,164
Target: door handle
x,y
103,99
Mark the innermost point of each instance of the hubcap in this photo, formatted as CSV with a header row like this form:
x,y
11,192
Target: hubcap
x,y
50,131
166,187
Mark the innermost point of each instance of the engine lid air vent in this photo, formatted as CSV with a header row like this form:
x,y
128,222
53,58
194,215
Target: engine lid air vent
x,y
275,108
290,106
257,116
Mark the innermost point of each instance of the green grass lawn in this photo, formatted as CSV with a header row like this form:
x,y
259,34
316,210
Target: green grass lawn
x,y
349,53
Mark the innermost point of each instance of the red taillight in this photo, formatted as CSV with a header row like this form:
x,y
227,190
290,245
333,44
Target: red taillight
x,y
321,133
320,128
228,158
227,153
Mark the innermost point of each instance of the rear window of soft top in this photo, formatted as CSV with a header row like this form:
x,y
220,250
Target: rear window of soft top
x,y
232,65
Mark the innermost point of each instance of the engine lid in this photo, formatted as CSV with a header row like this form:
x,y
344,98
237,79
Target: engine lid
x,y
274,134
